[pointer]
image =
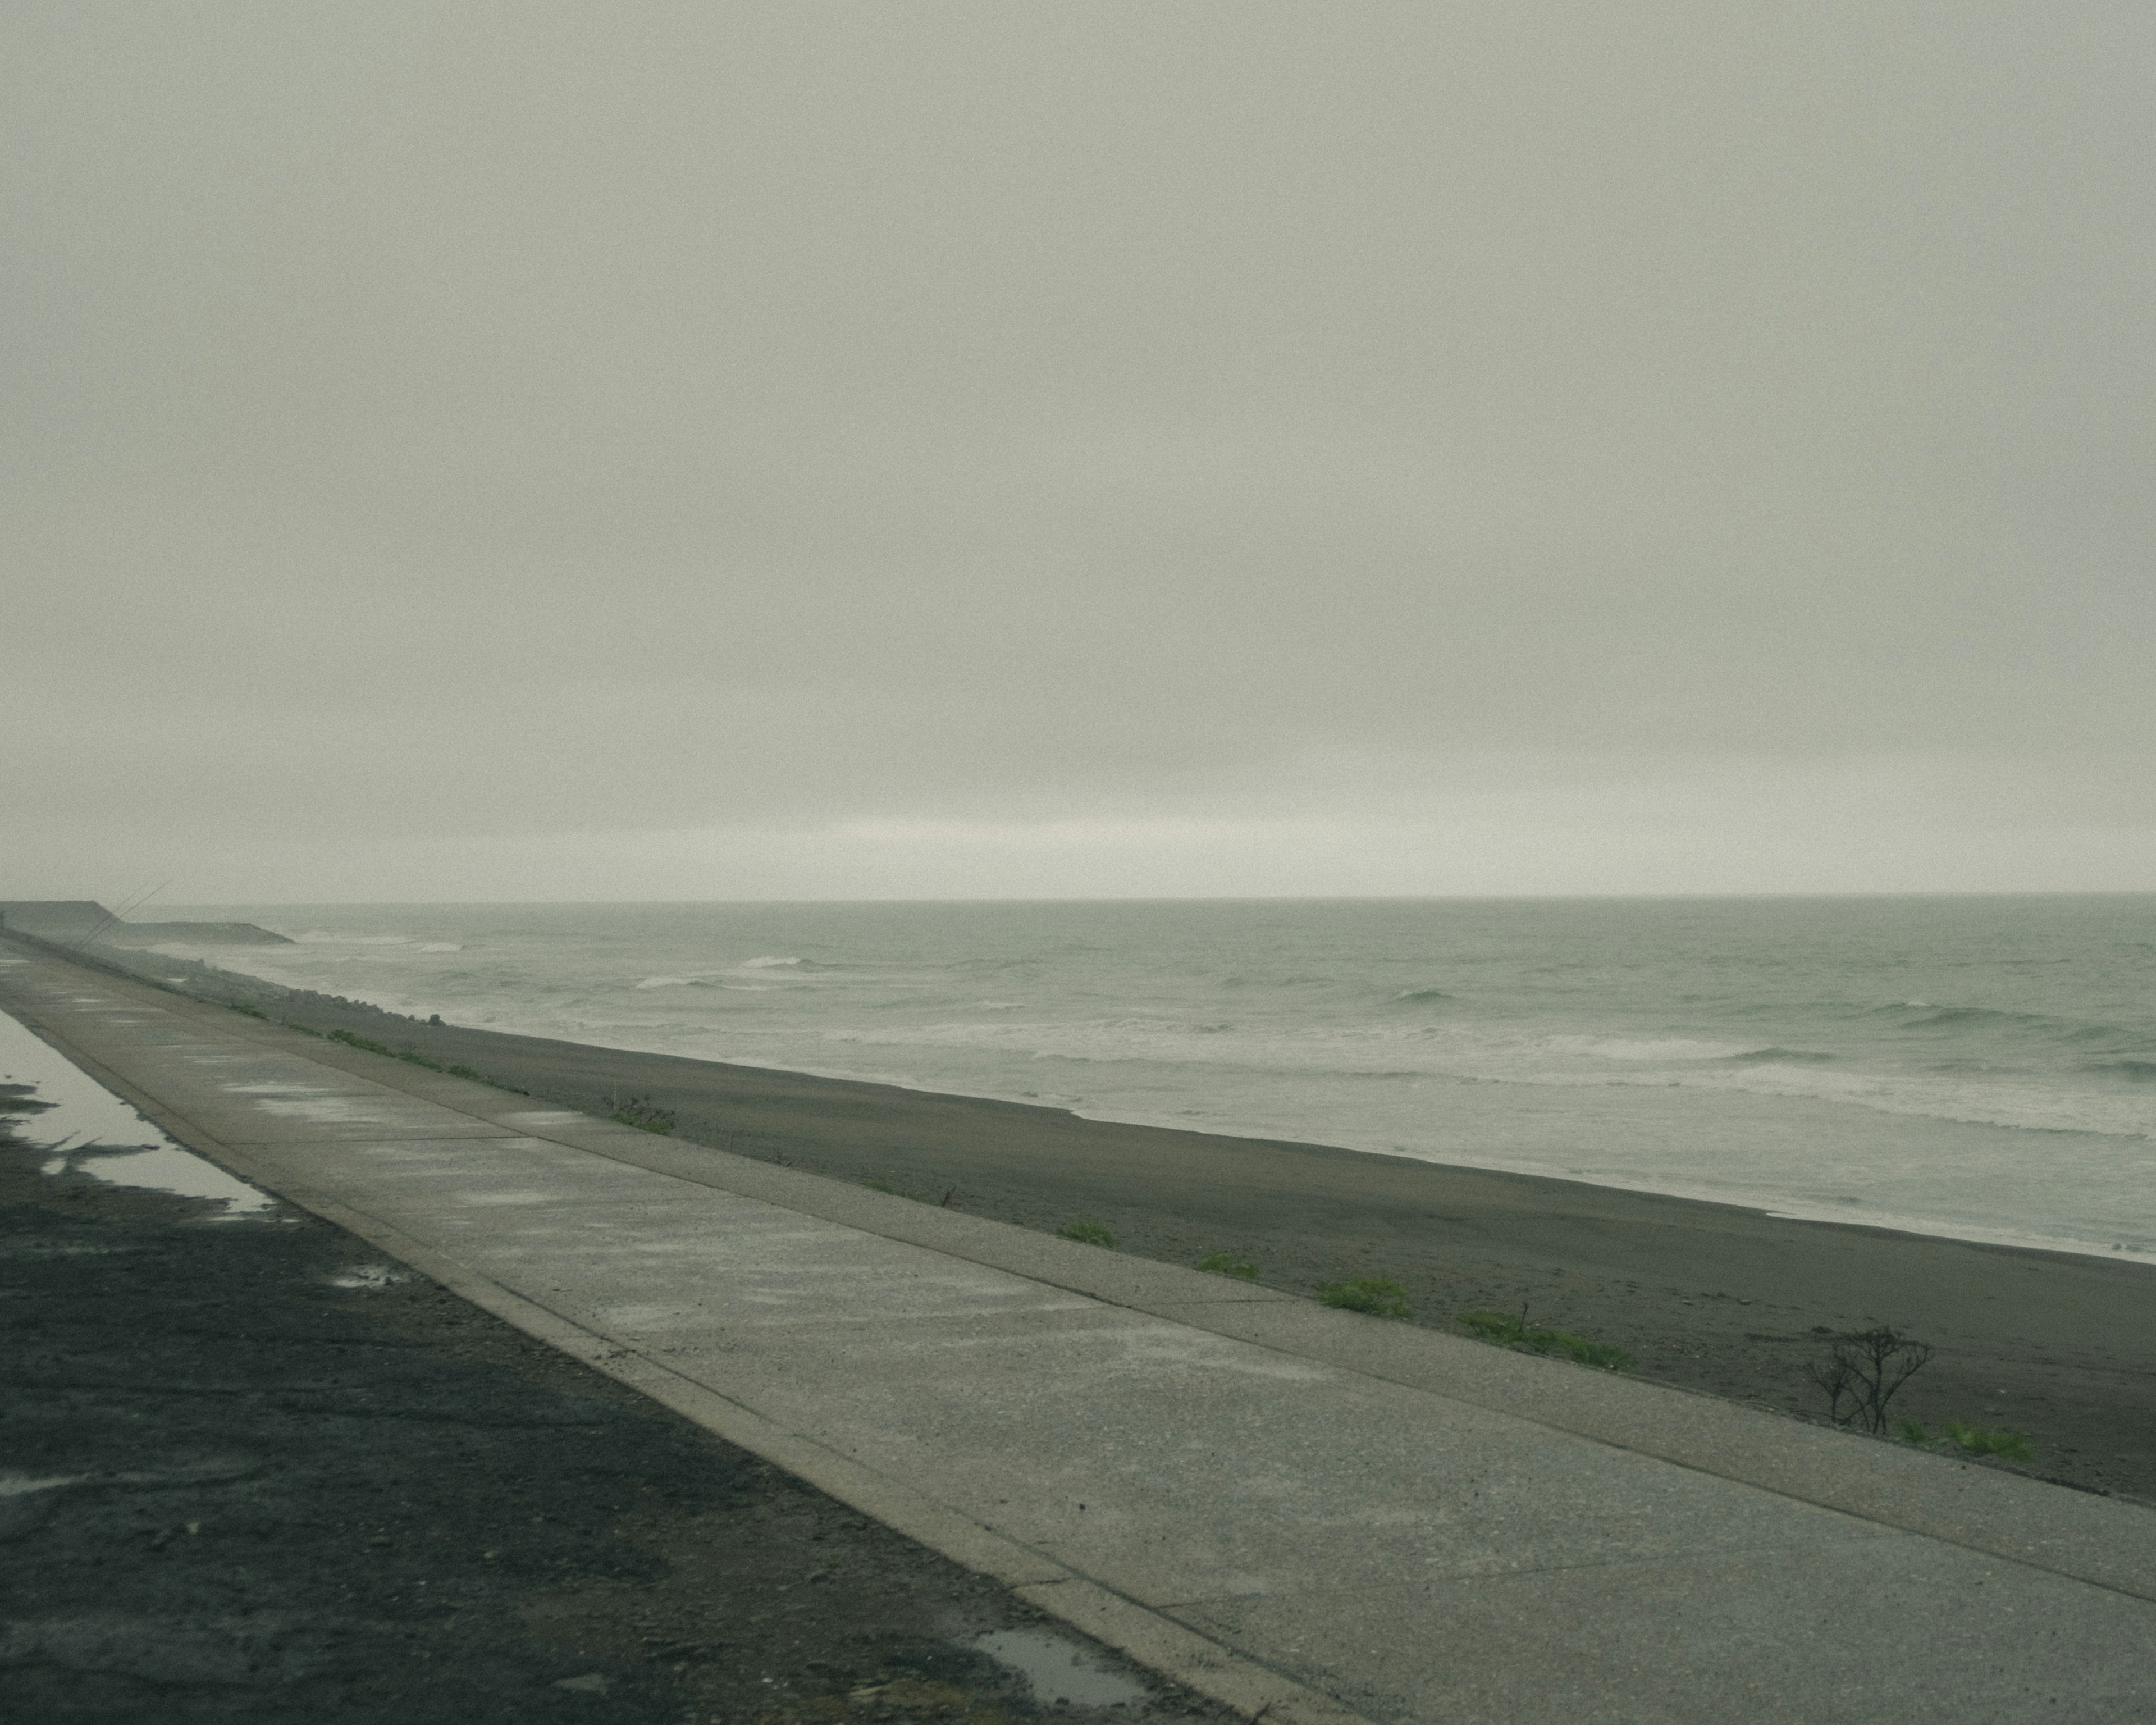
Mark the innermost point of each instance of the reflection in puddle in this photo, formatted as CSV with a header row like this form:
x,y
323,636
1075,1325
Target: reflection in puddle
x,y
372,1277
161,1168
1058,1669
83,1128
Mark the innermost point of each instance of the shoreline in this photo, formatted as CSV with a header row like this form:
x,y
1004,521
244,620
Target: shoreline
x,y
145,965
1709,1296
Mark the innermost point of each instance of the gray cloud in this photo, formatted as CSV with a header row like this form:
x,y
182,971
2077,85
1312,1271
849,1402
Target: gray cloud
x,y
535,430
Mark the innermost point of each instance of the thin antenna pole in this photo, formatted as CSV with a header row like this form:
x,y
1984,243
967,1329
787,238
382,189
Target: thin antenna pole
x,y
120,914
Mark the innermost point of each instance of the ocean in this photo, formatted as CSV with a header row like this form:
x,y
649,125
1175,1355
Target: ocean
x,y
1983,1068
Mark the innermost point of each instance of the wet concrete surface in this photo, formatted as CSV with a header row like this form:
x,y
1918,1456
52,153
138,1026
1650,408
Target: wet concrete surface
x,y
247,1470
1422,1526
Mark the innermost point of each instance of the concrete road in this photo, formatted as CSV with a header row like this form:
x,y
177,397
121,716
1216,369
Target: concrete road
x,y
1300,1511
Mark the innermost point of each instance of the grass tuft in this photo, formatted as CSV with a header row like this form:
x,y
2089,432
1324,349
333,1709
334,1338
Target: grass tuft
x,y
643,1115
1228,1264
412,1057
1379,1295
1087,1233
2007,1446
1510,1332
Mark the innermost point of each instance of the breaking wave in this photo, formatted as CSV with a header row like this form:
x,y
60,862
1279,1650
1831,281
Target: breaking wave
x,y
2133,1071
2049,1026
1764,1053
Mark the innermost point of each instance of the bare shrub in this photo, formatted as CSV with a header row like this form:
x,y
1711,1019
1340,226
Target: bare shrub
x,y
1862,1372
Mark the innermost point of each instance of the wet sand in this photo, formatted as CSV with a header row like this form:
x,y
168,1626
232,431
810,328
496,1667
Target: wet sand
x,y
1725,1300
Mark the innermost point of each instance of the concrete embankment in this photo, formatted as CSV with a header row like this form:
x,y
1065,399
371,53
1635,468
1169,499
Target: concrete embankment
x,y
1297,1511
2059,1348
254,1470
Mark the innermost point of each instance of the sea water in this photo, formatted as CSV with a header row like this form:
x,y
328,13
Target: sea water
x,y
1978,1067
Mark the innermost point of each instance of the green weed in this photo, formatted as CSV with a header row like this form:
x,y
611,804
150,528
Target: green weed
x,y
2008,1445
643,1115
1379,1295
413,1057
1910,1431
243,1008
1087,1233
1502,1328
1228,1264
482,1078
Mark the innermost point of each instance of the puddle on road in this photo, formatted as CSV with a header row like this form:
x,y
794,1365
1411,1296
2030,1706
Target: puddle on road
x,y
369,1277
161,1168
312,1101
1059,1670
83,1128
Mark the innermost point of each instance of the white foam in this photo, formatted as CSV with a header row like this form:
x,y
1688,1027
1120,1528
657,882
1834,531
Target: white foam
x,y
1761,1056
22,1484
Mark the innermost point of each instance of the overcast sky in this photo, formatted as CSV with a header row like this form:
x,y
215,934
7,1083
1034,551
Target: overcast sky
x,y
790,450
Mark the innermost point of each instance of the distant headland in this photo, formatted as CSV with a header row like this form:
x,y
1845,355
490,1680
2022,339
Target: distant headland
x,y
82,922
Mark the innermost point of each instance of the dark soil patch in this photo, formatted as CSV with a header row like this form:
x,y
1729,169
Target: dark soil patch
x,y
283,1499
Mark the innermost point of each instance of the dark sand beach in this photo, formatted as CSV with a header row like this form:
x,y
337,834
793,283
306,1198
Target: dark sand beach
x,y
1721,1300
